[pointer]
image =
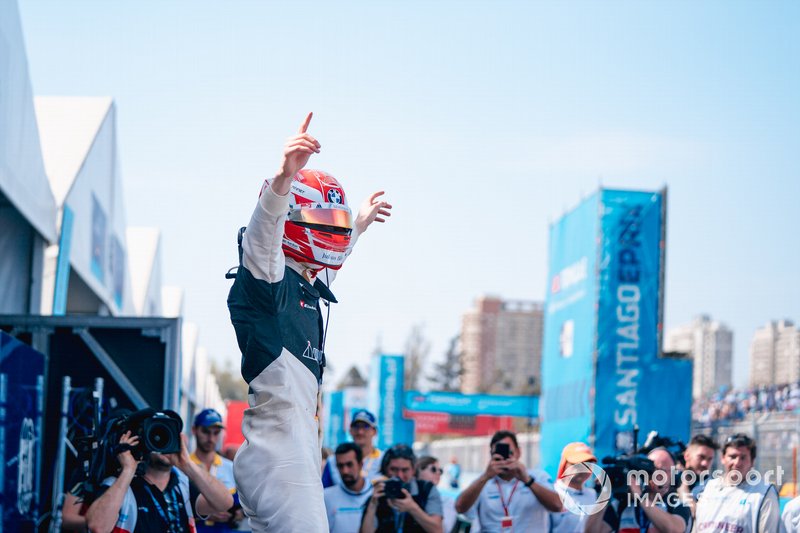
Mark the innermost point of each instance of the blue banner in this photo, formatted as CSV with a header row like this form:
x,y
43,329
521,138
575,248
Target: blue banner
x,y
569,332
385,399
21,403
455,403
333,422
628,318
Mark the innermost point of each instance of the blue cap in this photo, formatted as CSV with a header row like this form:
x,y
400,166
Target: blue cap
x,y
362,415
208,418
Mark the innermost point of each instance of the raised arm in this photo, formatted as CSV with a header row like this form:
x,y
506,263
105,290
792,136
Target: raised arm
x,y
263,255
103,514
214,496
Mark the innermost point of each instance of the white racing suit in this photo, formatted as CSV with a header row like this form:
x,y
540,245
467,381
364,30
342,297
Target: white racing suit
x,y
278,323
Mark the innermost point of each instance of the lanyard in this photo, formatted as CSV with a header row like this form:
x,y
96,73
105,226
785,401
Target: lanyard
x,y
173,526
502,499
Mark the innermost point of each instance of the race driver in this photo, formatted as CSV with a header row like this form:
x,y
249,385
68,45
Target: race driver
x,y
300,233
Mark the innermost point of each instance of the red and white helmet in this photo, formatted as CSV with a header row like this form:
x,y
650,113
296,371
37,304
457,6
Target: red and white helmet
x,y
319,223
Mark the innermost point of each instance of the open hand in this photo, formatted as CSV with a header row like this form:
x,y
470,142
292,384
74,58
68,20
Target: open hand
x,y
372,210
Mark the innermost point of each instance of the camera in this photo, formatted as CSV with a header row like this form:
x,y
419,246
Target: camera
x,y
618,468
158,431
393,489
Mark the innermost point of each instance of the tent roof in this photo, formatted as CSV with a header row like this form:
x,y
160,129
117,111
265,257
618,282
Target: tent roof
x,y
68,126
142,257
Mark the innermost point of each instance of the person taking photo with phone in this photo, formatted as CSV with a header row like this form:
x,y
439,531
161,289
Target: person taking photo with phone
x,y
508,496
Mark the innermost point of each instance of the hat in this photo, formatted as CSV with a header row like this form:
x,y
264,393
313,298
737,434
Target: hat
x,y
208,418
575,452
362,415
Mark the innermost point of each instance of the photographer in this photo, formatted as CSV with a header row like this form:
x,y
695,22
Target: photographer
x,y
508,495
399,501
167,497
654,508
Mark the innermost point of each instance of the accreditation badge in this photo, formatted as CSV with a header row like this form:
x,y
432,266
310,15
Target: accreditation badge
x,y
506,524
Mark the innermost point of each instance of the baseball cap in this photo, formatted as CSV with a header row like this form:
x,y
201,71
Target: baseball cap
x,y
362,415
208,418
575,452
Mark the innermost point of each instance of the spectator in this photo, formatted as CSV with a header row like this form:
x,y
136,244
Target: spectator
x,y
363,429
790,519
167,498
344,502
508,495
453,472
428,469
698,458
570,486
207,430
654,508
738,501
419,508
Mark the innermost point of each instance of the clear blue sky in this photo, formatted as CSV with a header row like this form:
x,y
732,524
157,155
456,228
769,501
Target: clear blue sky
x,y
483,121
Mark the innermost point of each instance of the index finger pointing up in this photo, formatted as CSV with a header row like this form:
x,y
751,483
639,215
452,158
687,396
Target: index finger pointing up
x,y
304,126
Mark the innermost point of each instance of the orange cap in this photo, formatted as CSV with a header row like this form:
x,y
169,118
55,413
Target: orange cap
x,y
575,452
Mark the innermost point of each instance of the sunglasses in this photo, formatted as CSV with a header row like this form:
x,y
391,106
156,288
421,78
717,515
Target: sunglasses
x,y
742,437
435,469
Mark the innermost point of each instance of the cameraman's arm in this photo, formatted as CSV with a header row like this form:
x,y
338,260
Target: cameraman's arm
x,y
103,514
662,520
214,496
368,519
596,524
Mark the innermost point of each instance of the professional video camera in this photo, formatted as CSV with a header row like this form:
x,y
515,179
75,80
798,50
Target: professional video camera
x,y
654,441
618,468
158,431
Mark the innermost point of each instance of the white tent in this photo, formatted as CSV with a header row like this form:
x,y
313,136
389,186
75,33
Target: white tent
x,y
79,145
144,261
27,207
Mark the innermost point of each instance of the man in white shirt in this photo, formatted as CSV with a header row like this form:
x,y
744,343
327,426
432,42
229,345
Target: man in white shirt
x,y
344,502
508,496
790,519
740,500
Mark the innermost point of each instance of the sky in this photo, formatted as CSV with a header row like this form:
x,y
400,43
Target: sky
x,y
483,122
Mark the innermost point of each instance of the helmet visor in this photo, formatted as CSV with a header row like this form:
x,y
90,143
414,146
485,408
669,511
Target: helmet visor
x,y
333,218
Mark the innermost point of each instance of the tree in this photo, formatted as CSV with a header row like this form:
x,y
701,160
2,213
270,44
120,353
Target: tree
x,y
447,374
416,354
231,385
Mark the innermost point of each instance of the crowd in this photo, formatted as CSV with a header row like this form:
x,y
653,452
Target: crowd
x,y
368,490
737,404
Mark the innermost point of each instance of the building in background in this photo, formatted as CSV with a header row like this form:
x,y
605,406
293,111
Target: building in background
x,y
710,344
775,354
501,346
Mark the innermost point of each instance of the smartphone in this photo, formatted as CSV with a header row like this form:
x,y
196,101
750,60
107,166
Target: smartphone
x,y
502,449
393,489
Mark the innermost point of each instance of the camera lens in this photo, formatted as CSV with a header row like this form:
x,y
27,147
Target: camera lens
x,y
162,434
159,435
